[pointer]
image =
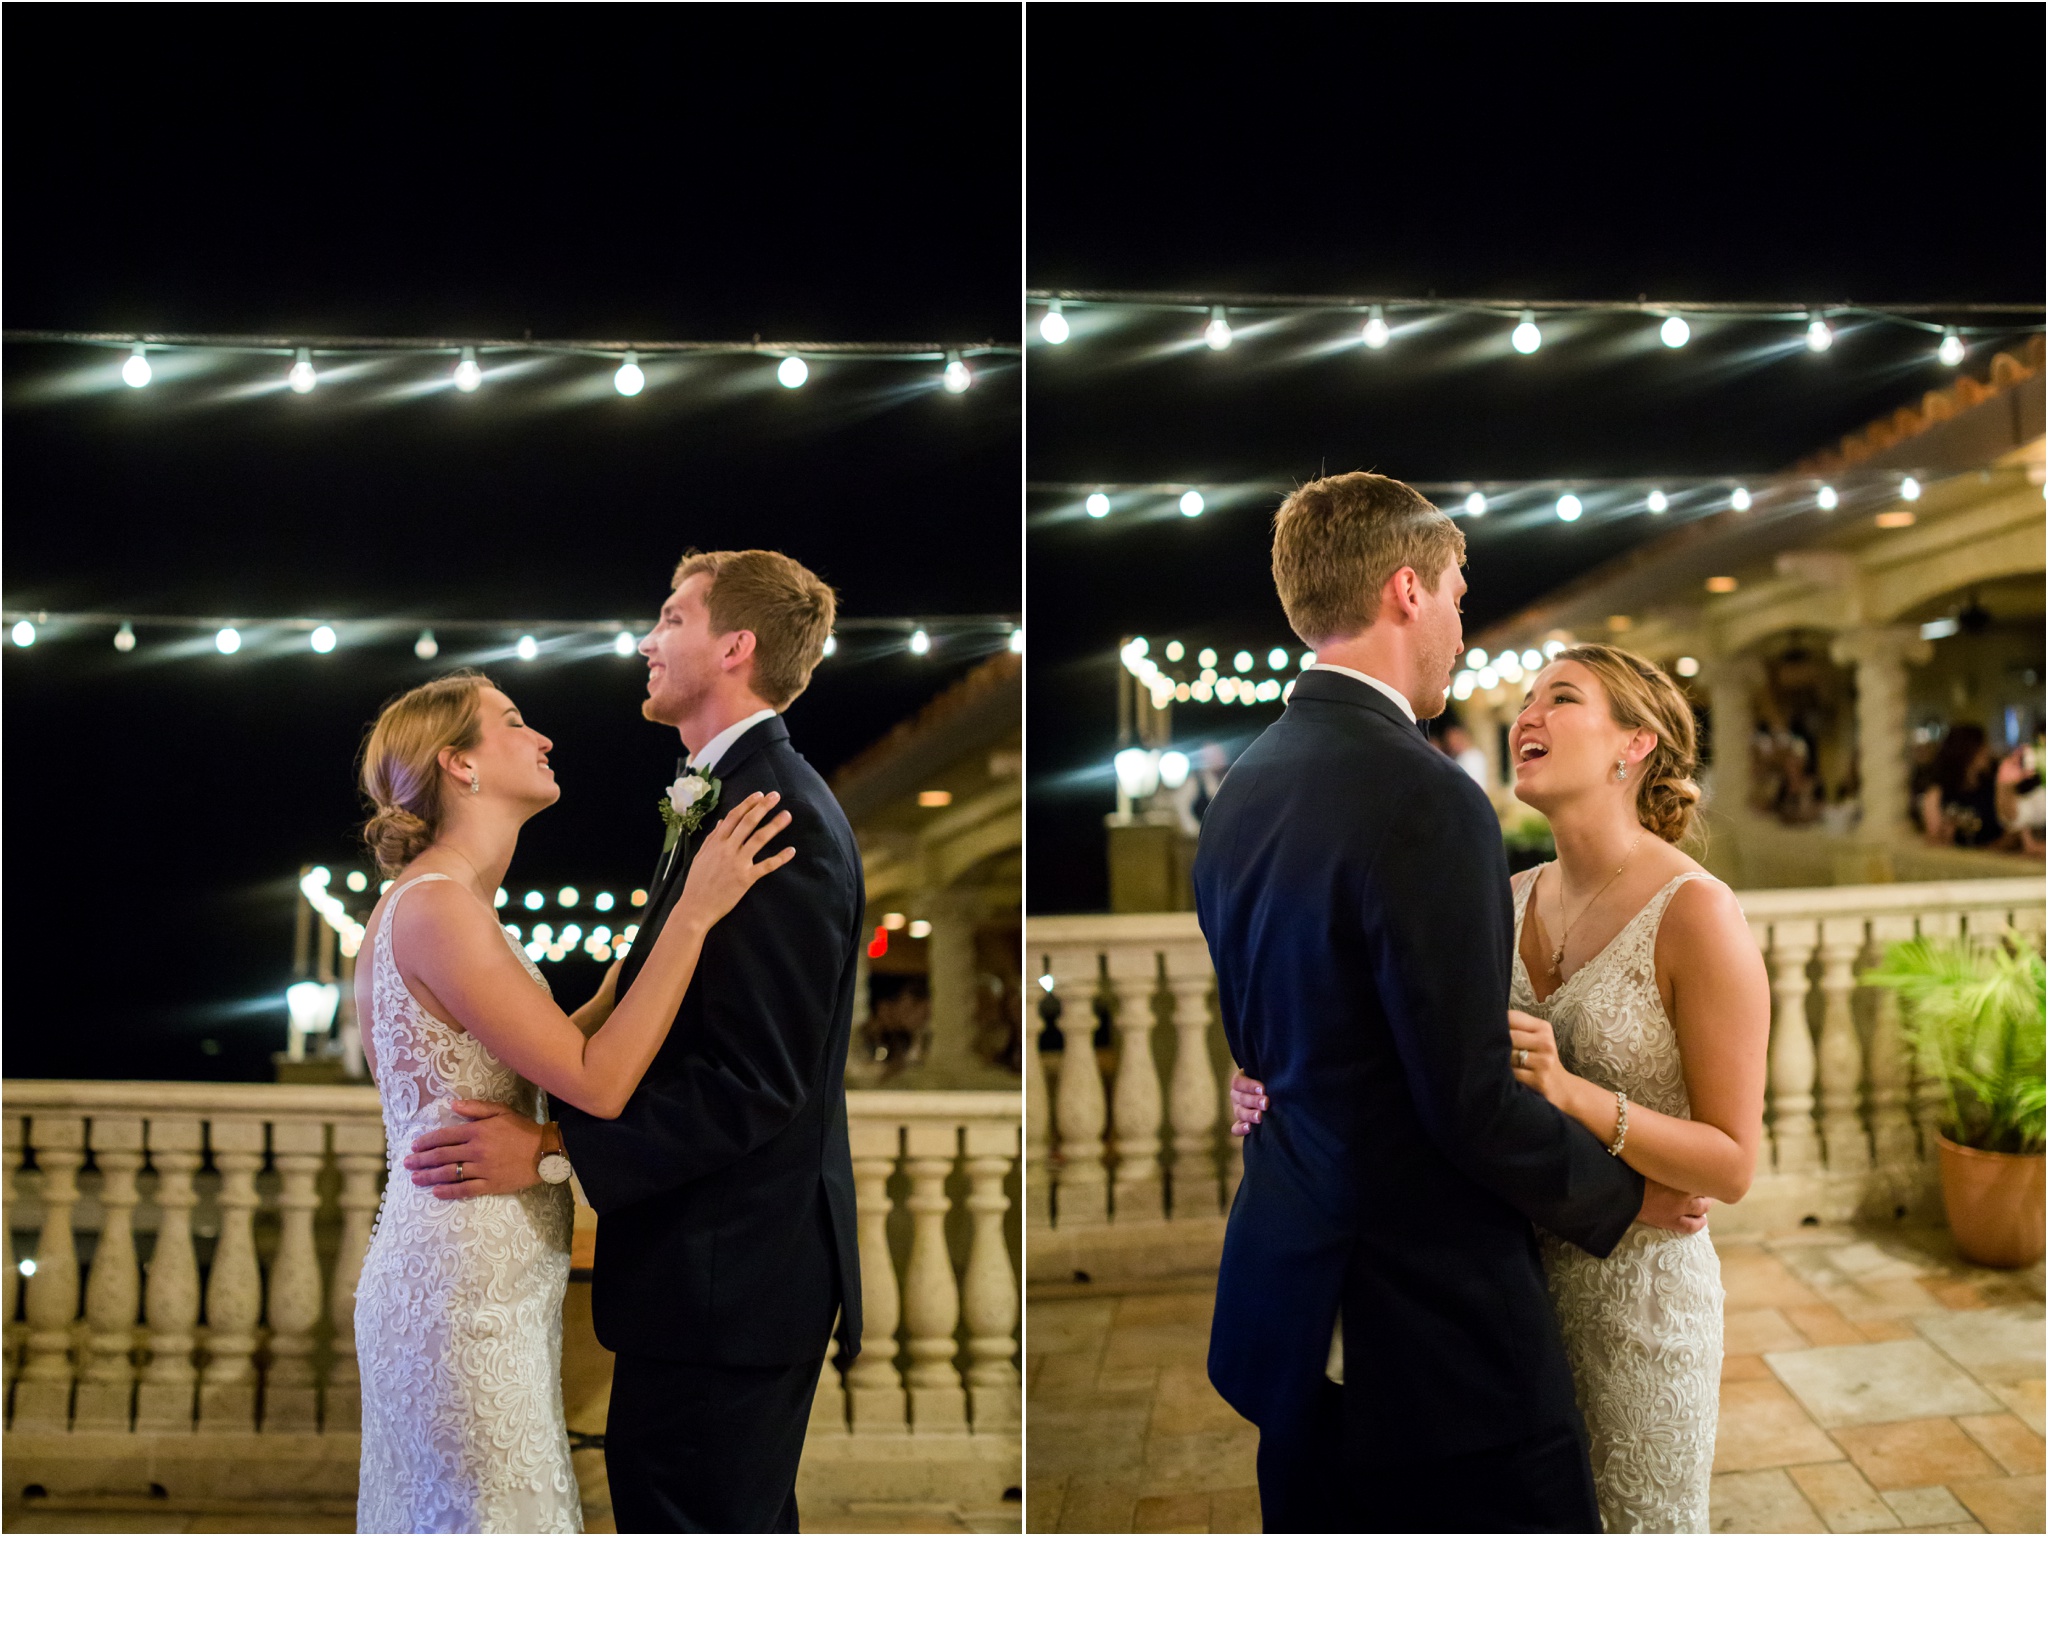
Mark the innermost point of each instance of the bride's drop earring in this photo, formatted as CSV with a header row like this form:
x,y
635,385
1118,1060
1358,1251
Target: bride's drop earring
x,y
1620,772
477,789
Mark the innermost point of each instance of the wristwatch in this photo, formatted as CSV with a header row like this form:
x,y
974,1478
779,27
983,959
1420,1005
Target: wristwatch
x,y
554,1163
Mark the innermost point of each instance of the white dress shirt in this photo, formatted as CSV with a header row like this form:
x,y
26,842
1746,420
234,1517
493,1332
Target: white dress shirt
x,y
706,760
1407,709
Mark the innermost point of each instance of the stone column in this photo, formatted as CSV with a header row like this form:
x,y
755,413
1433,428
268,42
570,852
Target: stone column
x,y
1037,1125
113,1294
989,1288
1880,654
931,1296
949,965
291,1392
1792,1062
1840,1069
1732,685
163,1402
359,1156
1896,1144
1136,1114
234,1283
1082,1110
874,1388
42,1399
1192,1104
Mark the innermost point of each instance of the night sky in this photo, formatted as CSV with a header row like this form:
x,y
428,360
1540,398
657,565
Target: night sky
x,y
645,173
1776,153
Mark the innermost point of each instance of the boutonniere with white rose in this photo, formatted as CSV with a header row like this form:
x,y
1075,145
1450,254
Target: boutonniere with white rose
x,y
686,805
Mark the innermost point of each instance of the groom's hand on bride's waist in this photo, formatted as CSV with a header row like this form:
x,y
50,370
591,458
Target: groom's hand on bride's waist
x,y
490,1149
1247,1103
1672,1210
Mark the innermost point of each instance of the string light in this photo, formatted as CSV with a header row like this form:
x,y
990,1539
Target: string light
x,y
1568,508
469,373
300,376
1909,488
1674,332
831,646
1017,640
630,377
956,377
24,634
426,647
1276,660
323,639
1217,334
1376,334
792,372
1475,504
124,638
1739,499
920,642
1951,349
1527,337
1054,327
1827,499
1818,336
227,639
527,648
1191,503
1098,504
1657,502
624,645
136,371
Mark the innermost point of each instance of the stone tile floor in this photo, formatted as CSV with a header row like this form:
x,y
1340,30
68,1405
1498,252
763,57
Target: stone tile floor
x,y
1874,1383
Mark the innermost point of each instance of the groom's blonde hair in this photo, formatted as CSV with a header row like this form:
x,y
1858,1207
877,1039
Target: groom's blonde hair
x,y
1338,540
787,607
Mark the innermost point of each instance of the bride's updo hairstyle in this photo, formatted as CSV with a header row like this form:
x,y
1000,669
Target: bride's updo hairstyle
x,y
1641,695
401,771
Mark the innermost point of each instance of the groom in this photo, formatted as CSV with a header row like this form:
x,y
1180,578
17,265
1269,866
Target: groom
x,y
724,1192
1352,888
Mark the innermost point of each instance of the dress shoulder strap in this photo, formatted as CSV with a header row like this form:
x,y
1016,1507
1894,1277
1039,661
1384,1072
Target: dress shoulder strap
x,y
391,910
1527,889
1665,893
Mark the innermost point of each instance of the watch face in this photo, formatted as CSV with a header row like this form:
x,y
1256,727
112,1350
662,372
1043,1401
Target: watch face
x,y
554,1169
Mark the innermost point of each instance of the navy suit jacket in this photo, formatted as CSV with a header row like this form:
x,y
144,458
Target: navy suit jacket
x,y
1351,885
724,1192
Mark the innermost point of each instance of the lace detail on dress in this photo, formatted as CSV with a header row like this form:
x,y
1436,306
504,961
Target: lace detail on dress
x,y
459,1310
1643,1327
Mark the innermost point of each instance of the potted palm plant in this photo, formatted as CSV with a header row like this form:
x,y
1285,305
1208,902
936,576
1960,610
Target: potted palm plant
x,y
1973,1018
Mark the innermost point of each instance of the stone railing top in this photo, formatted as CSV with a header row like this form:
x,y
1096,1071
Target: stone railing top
x,y
163,1098
1048,930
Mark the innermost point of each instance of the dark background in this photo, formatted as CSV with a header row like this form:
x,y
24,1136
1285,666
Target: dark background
x,y
697,173
1740,153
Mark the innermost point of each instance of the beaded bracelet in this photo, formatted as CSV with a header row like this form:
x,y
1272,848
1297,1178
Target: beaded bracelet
x,y
1620,1122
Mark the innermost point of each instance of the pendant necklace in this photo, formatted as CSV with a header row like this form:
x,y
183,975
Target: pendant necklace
x,y
1557,954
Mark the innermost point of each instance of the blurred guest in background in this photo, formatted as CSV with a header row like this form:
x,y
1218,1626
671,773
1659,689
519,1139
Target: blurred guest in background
x,y
1960,804
1457,744
2022,801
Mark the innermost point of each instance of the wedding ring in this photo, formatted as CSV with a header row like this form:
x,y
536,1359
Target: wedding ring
x,y
1521,1060
458,1170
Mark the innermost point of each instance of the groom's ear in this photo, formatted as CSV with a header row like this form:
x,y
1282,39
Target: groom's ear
x,y
736,648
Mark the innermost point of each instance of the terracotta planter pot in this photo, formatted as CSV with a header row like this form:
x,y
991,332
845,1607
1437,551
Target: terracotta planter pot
x,y
1995,1204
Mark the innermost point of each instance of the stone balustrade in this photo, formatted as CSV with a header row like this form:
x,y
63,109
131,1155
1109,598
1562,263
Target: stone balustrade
x,y
196,1250
1131,1166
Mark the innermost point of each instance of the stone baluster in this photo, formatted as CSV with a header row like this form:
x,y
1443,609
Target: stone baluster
x,y
1895,1144
234,1284
291,1389
163,1400
874,1388
359,1156
1037,1128
113,1292
42,1398
1792,1064
1081,1110
1192,1104
1930,1100
1135,1109
1841,1051
10,1129
931,1297
828,1403
990,1283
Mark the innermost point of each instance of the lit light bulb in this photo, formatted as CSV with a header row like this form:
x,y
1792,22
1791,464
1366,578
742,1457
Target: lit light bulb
x,y
568,898
533,900
920,643
623,644
1307,659
956,377
1552,648
1739,499
323,639
1242,663
1217,334
1054,327
601,902
300,377
1532,661
124,638
1818,336
792,372
1674,332
136,370
1475,504
227,639
1376,334
1462,688
1098,504
630,377
1475,658
1017,640
469,374
1827,499
24,634
1658,503
426,647
1527,337
527,648
1568,508
1909,489
1191,503
1206,658
1277,659
1687,666
360,882
1949,352
831,646
1175,650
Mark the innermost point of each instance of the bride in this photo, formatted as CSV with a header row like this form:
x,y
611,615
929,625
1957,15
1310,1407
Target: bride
x,y
459,1308
1640,1007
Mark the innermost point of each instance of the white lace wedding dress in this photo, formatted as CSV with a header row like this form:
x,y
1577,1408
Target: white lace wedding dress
x,y
459,1311
1643,1327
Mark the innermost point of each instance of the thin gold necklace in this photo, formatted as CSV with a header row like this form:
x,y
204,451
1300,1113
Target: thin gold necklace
x,y
1557,954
